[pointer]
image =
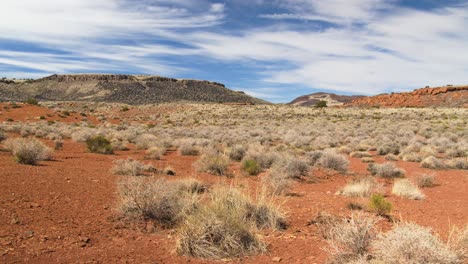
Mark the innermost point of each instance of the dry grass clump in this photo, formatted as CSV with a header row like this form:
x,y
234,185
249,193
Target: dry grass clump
x,y
409,243
458,242
367,160
130,167
265,159
190,185
292,167
277,181
458,164
411,157
350,239
432,162
391,157
360,154
389,148
237,152
224,228
213,162
332,160
157,200
145,141
363,187
385,170
313,157
188,148
28,150
425,180
407,189
155,153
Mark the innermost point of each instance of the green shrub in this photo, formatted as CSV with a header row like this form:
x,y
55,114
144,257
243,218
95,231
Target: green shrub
x,y
32,101
321,104
99,144
251,167
379,205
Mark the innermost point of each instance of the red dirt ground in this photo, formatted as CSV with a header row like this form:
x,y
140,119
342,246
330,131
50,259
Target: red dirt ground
x,y
63,211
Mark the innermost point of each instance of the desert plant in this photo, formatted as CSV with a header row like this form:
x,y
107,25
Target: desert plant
x,y
224,228
391,157
385,170
292,167
251,167
3,136
58,144
360,154
321,104
28,150
389,148
411,157
407,189
380,205
213,162
363,187
145,141
157,200
313,157
458,242
458,164
237,153
350,239
155,153
128,167
32,101
277,182
99,144
432,162
412,244
425,180
334,161
187,148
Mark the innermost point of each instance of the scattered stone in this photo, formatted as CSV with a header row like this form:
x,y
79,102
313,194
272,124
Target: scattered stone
x,y
276,259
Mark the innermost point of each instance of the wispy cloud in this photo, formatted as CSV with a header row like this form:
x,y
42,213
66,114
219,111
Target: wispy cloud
x,y
352,46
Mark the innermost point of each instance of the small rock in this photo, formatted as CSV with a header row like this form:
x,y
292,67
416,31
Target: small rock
x,y
276,259
29,233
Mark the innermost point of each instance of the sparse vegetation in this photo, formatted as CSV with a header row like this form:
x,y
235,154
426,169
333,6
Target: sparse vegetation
x,y
407,189
386,170
213,162
380,205
28,150
334,161
99,144
363,187
251,167
425,180
130,167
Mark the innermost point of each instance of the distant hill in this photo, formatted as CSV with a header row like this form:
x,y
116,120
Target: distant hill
x,y
130,89
445,96
331,99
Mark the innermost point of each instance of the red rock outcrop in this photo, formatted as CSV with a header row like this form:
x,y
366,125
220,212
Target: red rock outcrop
x,y
447,96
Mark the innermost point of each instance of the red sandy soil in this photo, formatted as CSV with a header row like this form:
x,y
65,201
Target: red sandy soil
x,y
64,211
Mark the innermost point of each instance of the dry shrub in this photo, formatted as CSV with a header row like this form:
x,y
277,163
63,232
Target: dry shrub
x,y
350,239
407,189
385,170
130,167
157,200
458,164
190,185
99,144
332,160
224,228
391,157
432,162
425,180
169,171
367,160
292,167
3,136
188,148
237,153
145,141
313,157
389,148
28,150
58,144
411,157
360,154
155,153
363,187
213,162
277,182
264,159
409,243
458,242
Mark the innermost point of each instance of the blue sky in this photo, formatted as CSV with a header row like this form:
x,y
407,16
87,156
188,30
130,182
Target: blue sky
x,y
275,50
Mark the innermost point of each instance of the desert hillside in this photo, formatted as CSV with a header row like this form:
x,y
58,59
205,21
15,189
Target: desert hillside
x,y
446,96
128,89
331,99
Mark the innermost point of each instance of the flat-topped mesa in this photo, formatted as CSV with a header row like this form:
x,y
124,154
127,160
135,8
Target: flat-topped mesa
x,y
87,77
122,88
